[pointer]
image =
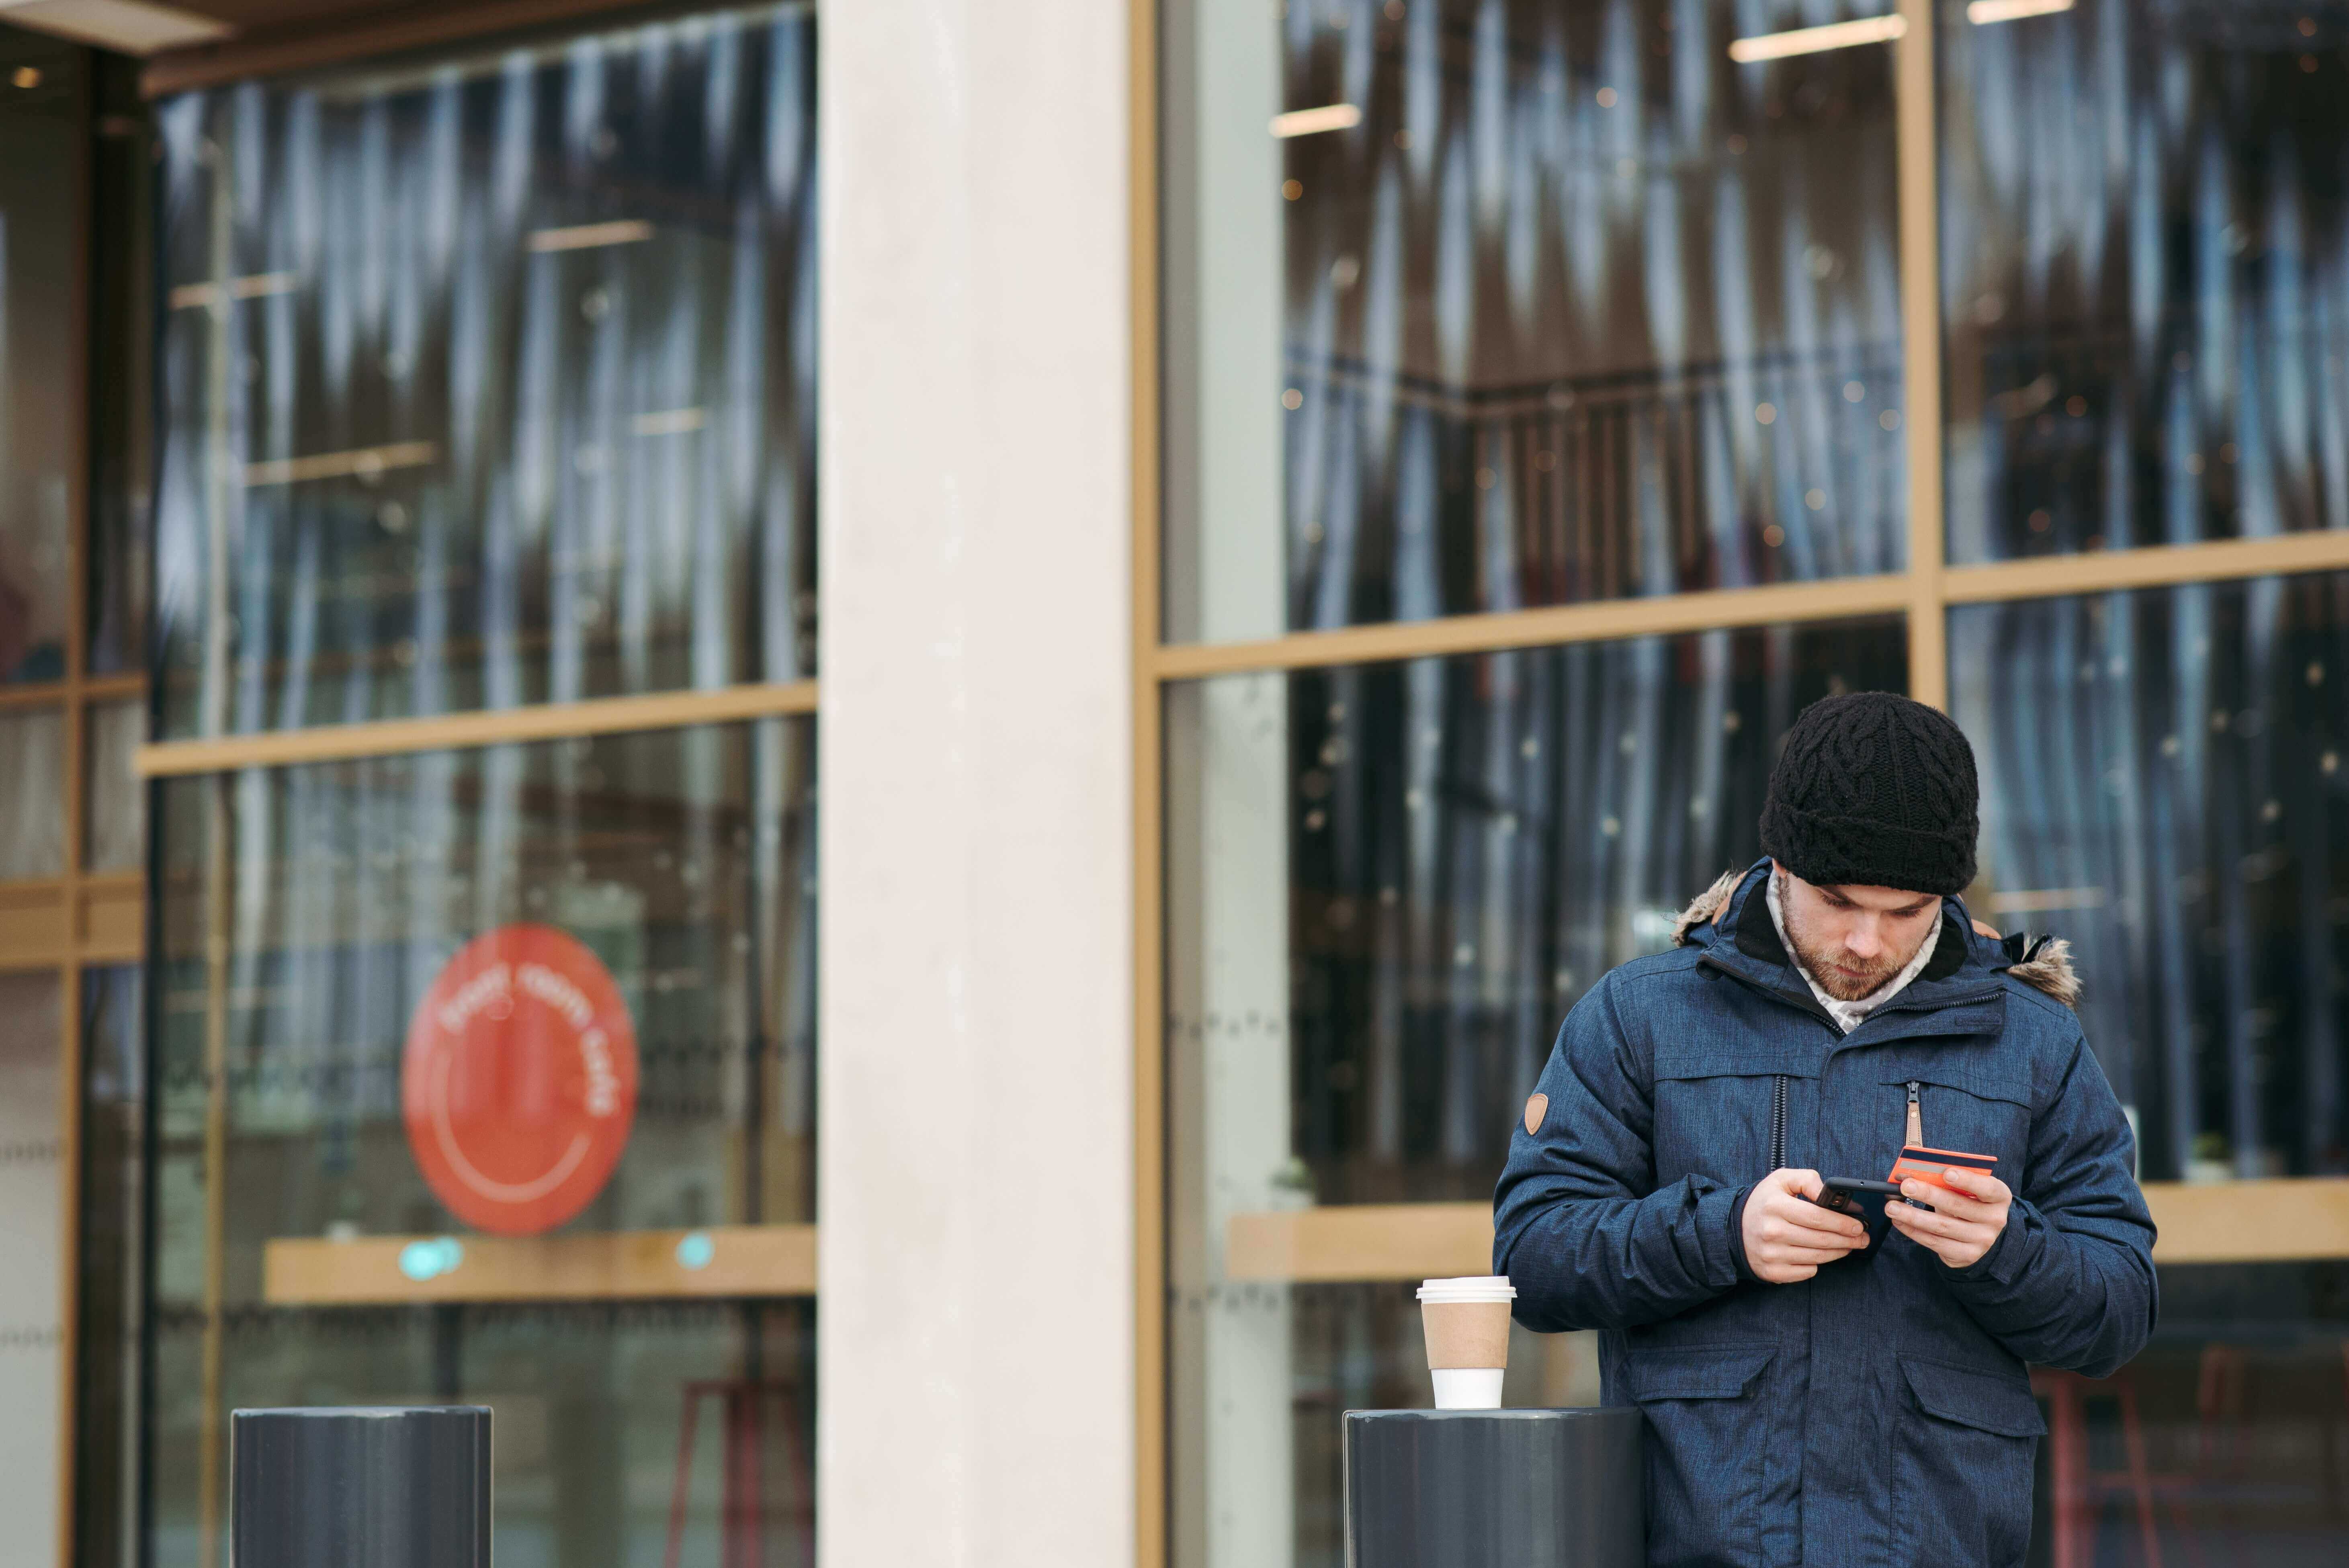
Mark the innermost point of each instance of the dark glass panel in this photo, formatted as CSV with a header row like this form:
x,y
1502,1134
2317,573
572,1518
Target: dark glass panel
x,y
2164,786
43,111
588,1405
491,382
2145,274
32,794
114,806
684,862
1579,309
122,365
108,1377
1386,885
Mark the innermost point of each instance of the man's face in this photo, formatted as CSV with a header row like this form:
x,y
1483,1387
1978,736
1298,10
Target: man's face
x,y
1853,939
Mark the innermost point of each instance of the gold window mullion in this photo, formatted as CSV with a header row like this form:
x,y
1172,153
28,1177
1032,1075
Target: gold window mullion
x,y
1920,336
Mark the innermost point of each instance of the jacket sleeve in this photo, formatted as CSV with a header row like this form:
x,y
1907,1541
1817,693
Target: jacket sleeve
x,y
2070,1283
1579,1224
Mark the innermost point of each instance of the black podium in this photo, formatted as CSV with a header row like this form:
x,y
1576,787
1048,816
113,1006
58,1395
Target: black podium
x,y
393,1488
1496,1489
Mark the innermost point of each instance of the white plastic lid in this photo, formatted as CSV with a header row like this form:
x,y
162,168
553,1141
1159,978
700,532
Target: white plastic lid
x,y
1469,1287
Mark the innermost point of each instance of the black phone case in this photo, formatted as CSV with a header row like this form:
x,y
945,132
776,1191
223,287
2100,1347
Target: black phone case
x,y
1863,1201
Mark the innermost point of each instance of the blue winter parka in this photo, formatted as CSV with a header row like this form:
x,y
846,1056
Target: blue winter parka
x,y
1880,1412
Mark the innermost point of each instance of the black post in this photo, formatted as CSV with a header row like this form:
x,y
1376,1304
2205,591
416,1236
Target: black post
x,y
1495,1488
402,1487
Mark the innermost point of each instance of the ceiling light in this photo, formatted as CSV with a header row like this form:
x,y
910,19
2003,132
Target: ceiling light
x,y
1982,11
671,422
1306,121
129,27
252,286
1812,40
365,463
587,236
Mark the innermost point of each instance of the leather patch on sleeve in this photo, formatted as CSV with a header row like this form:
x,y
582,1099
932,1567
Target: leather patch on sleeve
x,y
1535,1109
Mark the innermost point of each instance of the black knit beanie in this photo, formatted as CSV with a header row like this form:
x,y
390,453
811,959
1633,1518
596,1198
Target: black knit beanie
x,y
1877,790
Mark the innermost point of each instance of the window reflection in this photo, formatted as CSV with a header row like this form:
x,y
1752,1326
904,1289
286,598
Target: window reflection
x,y
490,384
107,1381
2146,289
684,862
41,121
32,795
588,1403
2243,1407
122,369
1578,309
1386,885
31,1009
116,806
2164,783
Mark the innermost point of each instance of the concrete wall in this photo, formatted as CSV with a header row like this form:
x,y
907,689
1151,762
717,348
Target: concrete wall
x,y
976,1194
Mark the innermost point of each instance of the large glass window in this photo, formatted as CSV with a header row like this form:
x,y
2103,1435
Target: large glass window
x,y
2166,782
491,382
31,1362
486,383
41,117
2146,288
308,913
1490,304
1483,306
107,1374
2164,785
1386,884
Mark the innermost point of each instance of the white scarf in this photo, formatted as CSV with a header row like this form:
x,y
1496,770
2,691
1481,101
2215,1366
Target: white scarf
x,y
1849,1015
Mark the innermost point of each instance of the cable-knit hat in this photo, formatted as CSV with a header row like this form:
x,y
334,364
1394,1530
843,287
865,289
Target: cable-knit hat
x,y
1874,789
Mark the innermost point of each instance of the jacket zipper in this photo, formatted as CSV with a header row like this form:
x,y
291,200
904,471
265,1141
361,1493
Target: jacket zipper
x,y
1778,1125
1916,1116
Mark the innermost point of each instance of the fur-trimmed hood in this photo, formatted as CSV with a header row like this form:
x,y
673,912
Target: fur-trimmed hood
x,y
2042,962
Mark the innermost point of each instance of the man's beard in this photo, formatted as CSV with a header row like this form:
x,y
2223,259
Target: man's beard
x,y
1839,974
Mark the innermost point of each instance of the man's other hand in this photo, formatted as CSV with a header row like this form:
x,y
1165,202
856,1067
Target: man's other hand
x,y
1963,1223
1788,1236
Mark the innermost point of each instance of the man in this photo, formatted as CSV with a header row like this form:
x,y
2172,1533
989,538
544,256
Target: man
x,y
1809,1401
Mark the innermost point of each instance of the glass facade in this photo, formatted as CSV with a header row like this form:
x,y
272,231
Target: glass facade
x,y
42,117
1569,307
32,795
489,383
1478,306
2146,276
31,1347
110,1360
484,382
2164,783
1386,885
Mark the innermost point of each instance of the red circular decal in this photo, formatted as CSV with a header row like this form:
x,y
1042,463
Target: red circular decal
x,y
519,1083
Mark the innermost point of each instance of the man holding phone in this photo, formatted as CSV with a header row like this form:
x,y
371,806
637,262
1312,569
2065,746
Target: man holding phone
x,y
1720,1128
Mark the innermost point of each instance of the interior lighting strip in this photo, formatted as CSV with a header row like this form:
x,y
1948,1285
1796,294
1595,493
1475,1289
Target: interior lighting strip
x,y
1308,122
1816,40
1981,13
587,236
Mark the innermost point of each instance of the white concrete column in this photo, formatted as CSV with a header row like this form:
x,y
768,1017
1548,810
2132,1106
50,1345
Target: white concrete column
x,y
975,1396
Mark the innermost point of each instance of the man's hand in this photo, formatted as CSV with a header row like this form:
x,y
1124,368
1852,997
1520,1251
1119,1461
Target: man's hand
x,y
1964,1224
1788,1236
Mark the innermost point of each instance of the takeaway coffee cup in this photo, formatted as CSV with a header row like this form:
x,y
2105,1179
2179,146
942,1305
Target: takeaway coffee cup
x,y
1467,1327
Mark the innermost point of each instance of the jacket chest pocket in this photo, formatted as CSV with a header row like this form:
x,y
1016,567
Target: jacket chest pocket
x,y
1963,1107
1718,1110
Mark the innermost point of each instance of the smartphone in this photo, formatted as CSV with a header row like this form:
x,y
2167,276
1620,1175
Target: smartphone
x,y
1863,1201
